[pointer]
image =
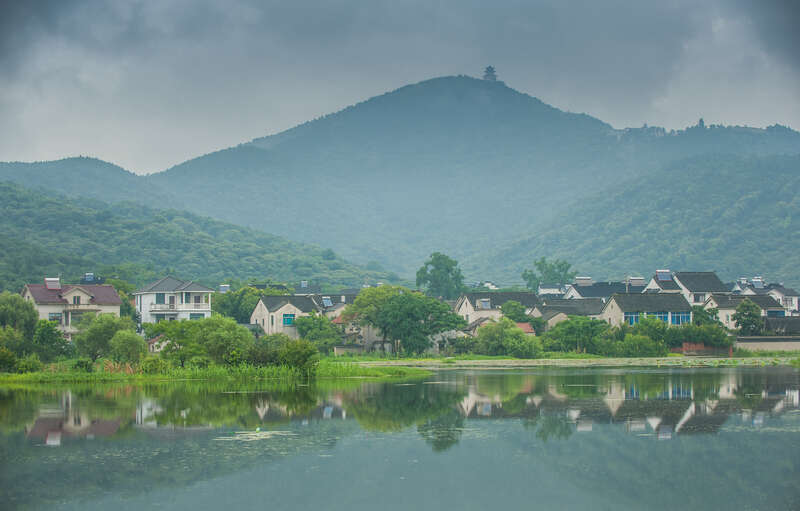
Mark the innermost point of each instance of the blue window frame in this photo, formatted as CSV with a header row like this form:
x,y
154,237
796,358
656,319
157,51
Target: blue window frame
x,y
679,318
55,316
160,298
288,319
776,314
631,318
196,315
663,316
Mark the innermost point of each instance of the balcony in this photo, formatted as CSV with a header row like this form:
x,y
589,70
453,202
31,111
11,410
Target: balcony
x,y
177,307
88,307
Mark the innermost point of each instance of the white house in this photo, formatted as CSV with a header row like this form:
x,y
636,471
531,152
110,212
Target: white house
x,y
172,299
672,308
65,304
277,314
787,297
726,307
472,306
695,286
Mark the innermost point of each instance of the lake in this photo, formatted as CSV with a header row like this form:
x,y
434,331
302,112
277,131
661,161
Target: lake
x,y
540,439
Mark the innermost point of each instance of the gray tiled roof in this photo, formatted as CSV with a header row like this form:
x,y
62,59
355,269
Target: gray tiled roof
x,y
304,303
496,300
733,301
701,282
651,302
170,284
579,307
606,289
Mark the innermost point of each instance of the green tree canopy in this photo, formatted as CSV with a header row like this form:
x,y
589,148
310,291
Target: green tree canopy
x,y
369,302
555,272
411,318
748,318
94,335
440,276
578,333
18,313
319,330
218,337
703,316
127,346
48,342
239,304
514,311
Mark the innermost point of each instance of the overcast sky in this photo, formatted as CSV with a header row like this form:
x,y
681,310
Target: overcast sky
x,y
148,84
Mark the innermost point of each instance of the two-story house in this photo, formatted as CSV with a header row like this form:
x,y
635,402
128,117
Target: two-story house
x,y
695,286
672,308
473,306
65,304
726,307
787,297
277,314
172,299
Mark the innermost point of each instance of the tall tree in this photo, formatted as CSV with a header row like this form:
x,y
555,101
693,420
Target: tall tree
x,y
440,276
94,335
555,272
48,342
318,330
18,313
369,302
748,318
514,311
412,318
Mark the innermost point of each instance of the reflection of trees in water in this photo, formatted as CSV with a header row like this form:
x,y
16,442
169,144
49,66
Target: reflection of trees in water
x,y
550,426
444,431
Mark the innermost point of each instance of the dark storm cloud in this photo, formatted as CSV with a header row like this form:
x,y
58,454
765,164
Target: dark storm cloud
x,y
150,83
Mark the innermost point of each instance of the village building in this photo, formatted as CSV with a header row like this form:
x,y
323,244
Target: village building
x,y
672,308
473,306
170,299
695,286
277,314
585,287
65,304
554,311
787,297
726,307
551,289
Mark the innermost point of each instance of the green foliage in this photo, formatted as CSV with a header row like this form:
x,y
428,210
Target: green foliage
x,y
555,272
93,339
239,304
633,345
167,240
703,316
13,340
578,333
155,365
538,324
83,365
504,337
299,354
710,334
29,364
17,313
266,349
319,330
411,318
217,337
8,361
370,302
748,318
514,311
48,342
127,346
441,277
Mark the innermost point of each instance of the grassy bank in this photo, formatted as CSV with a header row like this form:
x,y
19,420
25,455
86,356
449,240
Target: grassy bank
x,y
327,369
583,361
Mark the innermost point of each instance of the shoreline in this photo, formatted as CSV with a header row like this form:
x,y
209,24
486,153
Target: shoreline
x,y
678,362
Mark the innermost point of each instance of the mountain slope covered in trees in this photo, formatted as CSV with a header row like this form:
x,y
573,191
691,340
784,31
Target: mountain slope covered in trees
x,y
737,215
44,234
452,164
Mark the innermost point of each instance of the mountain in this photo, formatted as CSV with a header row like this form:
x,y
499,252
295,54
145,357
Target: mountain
x,y
736,215
454,164
42,234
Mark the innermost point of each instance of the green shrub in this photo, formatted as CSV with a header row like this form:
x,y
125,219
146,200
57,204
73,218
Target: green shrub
x,y
200,362
83,365
524,347
300,354
127,346
633,346
29,364
266,350
155,365
8,361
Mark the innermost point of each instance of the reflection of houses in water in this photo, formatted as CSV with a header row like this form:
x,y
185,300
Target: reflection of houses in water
x,y
55,422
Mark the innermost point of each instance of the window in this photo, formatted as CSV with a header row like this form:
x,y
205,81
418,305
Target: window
x,y
326,301
484,303
158,317
160,298
76,300
196,315
699,297
54,316
663,316
679,318
272,320
631,318
187,298
776,314
288,319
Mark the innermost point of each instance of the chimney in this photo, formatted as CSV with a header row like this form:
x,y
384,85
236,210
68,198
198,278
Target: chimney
x,y
52,283
583,281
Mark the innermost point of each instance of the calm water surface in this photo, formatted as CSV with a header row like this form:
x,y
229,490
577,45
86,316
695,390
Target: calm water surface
x,y
540,439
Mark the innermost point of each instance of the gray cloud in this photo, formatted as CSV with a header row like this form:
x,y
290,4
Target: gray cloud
x,y
147,84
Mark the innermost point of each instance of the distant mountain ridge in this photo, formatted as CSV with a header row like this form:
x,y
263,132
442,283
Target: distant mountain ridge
x,y
454,164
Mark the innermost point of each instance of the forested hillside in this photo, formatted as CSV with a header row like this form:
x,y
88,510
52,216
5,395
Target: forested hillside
x,y
739,216
45,234
452,164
